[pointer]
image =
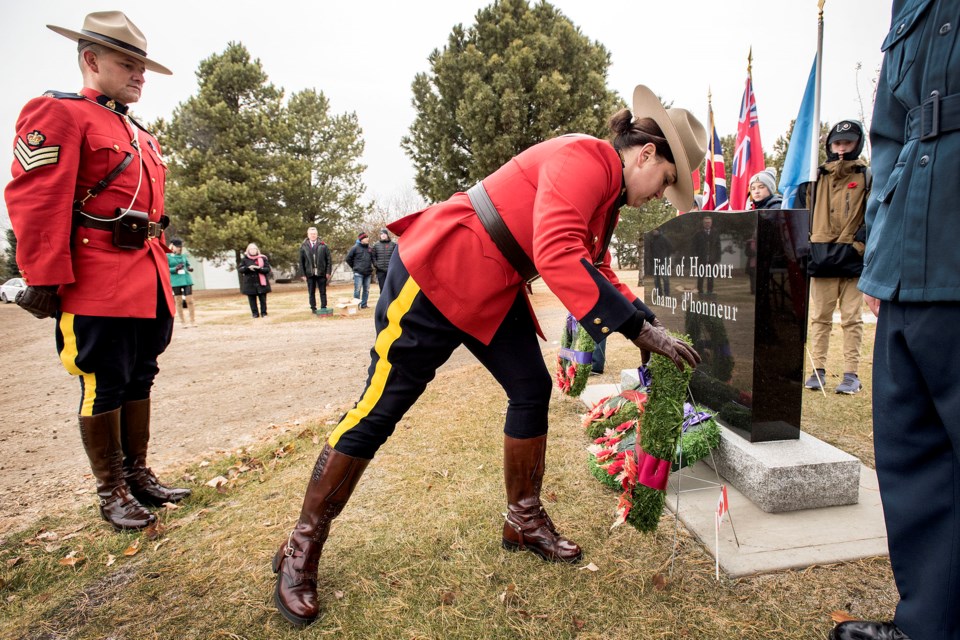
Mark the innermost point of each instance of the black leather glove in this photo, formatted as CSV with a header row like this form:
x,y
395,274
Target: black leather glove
x,y
656,339
42,302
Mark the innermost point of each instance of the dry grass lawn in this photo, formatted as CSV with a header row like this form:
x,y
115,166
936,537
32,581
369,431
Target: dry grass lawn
x,y
416,553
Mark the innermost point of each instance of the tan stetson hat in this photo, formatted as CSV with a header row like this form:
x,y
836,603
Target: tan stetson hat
x,y
685,135
116,31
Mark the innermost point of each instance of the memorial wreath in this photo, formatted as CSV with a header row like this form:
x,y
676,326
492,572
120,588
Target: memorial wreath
x,y
670,433
575,360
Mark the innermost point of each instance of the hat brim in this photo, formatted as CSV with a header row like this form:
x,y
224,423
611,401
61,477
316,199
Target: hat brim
x,y
646,104
77,36
846,135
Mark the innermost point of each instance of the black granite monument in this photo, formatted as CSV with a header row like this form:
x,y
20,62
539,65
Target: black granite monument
x,y
735,283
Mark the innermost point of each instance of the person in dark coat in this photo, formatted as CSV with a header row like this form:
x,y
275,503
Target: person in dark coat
x,y
706,247
911,281
360,259
254,271
316,266
382,252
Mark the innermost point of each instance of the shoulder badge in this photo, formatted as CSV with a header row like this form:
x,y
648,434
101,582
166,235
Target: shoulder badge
x,y
40,156
35,138
62,95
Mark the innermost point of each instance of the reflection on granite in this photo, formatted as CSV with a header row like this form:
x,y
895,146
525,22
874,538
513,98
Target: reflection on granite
x,y
734,282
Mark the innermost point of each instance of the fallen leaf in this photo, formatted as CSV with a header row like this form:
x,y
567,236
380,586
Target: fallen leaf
x,y
161,543
448,597
204,463
12,562
72,559
216,482
187,477
552,497
51,548
133,549
169,506
660,582
47,535
509,596
841,616
111,559
579,624
315,439
154,531
590,567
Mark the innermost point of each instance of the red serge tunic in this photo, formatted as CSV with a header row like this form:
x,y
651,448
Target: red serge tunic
x,y
557,199
64,145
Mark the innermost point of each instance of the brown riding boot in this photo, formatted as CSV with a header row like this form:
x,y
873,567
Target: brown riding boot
x,y
528,526
135,434
101,440
334,478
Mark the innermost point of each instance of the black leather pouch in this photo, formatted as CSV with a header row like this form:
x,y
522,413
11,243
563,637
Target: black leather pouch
x,y
130,231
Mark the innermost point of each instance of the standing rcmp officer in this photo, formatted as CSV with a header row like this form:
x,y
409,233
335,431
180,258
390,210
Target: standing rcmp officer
x,y
86,204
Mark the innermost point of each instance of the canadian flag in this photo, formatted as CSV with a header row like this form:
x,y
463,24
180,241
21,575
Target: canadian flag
x,y
723,504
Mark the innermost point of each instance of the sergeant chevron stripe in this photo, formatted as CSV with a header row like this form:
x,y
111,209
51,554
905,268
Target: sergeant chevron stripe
x,y
32,158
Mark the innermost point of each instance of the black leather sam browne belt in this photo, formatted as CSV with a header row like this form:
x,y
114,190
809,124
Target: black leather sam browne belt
x,y
130,228
508,245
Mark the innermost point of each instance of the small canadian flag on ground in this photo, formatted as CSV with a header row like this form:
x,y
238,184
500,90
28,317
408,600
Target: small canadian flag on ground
x,y
723,507
723,504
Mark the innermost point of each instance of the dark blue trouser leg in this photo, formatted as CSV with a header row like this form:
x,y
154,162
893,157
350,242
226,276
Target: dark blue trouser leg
x,y
916,409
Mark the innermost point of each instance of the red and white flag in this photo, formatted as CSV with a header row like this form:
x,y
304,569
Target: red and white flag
x,y
748,153
723,505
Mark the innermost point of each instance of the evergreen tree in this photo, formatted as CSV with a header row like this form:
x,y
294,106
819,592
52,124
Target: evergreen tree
x,y
10,268
245,168
518,76
321,174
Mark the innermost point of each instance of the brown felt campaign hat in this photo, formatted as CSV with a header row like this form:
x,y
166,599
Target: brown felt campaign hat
x,y
685,135
114,30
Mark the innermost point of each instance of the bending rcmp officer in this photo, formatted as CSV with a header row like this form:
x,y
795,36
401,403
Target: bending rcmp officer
x,y
86,204
549,211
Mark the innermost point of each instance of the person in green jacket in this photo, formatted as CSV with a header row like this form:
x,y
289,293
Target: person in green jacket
x,y
181,281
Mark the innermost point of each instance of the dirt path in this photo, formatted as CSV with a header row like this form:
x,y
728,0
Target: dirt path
x,y
229,382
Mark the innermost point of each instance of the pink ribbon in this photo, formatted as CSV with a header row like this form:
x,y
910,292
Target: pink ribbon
x,y
651,472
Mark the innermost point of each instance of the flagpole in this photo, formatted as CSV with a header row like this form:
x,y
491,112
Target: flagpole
x,y
815,139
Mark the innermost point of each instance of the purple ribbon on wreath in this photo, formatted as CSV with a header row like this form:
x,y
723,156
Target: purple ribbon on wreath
x,y
693,417
576,357
643,373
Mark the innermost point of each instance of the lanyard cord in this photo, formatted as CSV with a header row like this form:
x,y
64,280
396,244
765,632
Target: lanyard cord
x,y
135,143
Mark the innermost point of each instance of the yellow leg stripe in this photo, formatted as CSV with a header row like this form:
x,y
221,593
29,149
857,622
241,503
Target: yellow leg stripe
x,y
68,356
385,339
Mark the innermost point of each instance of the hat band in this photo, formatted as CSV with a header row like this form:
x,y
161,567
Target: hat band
x,y
115,42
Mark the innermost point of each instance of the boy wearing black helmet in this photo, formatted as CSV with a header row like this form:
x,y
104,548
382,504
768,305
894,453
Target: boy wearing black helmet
x,y
838,201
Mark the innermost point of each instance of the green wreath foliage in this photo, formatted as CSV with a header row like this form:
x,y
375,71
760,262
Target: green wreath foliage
x,y
655,415
659,435
571,376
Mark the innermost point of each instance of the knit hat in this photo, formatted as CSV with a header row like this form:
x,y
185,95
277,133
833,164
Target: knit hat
x,y
767,177
361,236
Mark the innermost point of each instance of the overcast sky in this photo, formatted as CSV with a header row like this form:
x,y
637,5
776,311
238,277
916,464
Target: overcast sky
x,y
363,55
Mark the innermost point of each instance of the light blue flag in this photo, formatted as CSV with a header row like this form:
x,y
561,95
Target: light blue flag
x,y
799,165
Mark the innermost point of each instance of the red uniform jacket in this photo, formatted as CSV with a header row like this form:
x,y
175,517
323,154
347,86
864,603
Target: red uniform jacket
x,y
556,198
63,147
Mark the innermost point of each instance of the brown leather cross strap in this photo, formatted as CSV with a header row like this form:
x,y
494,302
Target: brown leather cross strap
x,y
500,234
